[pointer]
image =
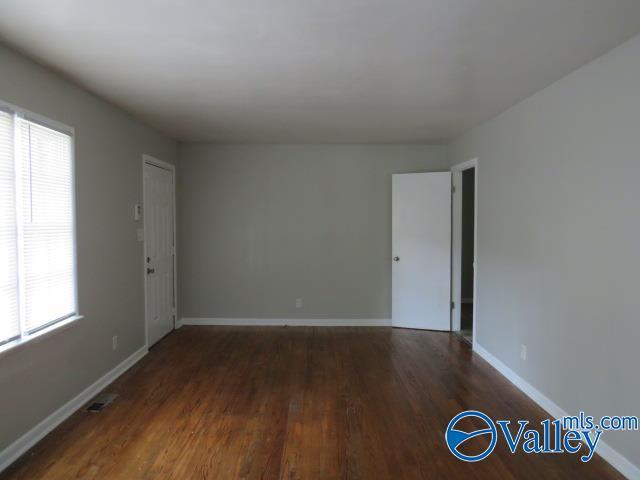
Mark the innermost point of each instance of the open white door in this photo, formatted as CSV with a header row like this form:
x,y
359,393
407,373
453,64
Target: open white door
x,y
159,251
421,272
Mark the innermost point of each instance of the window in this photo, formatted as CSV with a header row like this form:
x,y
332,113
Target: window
x,y
37,237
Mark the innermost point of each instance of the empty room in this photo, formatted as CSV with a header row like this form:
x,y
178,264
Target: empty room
x,y
319,239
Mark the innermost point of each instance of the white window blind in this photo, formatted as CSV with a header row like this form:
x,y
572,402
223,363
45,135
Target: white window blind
x,y
37,279
9,315
47,223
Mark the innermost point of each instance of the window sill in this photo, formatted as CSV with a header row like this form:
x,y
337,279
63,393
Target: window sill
x,y
50,331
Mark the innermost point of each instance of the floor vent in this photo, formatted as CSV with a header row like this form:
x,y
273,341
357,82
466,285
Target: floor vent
x,y
101,401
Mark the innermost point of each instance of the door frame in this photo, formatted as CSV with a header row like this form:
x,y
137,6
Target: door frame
x,y
456,244
148,159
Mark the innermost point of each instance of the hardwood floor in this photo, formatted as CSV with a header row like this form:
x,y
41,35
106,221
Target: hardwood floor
x,y
308,403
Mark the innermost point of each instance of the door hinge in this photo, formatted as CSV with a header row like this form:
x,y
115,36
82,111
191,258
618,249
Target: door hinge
x,y
453,189
453,305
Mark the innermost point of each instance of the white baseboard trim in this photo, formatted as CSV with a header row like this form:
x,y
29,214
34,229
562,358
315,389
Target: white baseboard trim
x,y
293,322
615,459
33,436
178,323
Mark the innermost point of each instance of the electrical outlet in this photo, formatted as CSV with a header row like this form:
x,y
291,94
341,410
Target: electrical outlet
x,y
298,303
523,351
114,342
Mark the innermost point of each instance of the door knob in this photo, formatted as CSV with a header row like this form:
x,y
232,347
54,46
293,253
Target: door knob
x,y
150,271
396,259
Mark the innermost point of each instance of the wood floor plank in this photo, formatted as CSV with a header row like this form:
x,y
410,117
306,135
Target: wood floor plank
x,y
295,403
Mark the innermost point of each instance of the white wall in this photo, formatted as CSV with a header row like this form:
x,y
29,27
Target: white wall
x,y
558,238
109,144
262,225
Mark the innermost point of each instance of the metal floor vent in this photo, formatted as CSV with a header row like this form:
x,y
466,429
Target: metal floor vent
x,y
101,401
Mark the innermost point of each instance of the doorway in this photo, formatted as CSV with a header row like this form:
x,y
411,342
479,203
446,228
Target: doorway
x,y
159,248
464,217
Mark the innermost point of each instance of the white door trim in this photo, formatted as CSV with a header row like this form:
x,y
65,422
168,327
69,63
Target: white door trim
x,y
456,238
148,159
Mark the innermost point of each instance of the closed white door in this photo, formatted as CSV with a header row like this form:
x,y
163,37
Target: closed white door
x,y
421,256
159,250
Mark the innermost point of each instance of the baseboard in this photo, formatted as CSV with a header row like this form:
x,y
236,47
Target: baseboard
x,y
615,459
33,436
293,322
178,324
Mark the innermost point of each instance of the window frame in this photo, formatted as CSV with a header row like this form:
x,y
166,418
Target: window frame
x,y
60,324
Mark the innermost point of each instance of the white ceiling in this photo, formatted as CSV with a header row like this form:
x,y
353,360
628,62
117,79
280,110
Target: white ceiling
x,y
316,70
